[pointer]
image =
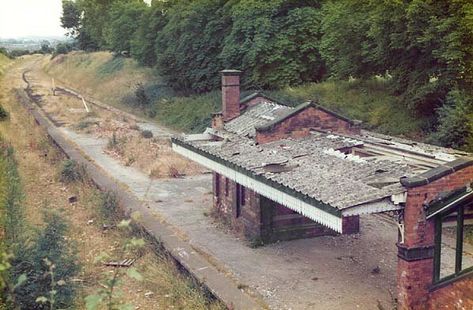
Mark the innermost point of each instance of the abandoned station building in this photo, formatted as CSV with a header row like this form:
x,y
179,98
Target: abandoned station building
x,y
282,173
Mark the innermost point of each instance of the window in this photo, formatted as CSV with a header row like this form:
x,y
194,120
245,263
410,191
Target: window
x,y
453,235
226,187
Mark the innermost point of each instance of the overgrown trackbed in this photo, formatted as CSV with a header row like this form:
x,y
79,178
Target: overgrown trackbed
x,y
345,272
39,162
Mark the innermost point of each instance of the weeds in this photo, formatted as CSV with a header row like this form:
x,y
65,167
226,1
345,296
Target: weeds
x,y
147,134
117,144
3,113
85,124
71,172
141,96
25,274
112,142
48,264
109,295
111,66
255,242
109,208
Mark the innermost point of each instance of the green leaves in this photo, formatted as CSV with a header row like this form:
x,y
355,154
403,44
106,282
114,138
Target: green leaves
x,y
275,42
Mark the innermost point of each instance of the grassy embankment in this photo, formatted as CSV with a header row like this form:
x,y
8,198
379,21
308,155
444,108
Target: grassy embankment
x,y
39,163
114,81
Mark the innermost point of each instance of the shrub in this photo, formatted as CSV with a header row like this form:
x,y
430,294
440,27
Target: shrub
x,y
71,172
151,113
3,113
455,117
49,264
141,96
112,142
11,198
147,134
109,207
117,144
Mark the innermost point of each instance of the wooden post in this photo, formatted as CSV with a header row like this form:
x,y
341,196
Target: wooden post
x,y
85,105
54,87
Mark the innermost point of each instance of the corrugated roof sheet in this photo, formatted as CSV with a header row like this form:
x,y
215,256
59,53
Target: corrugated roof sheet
x,y
316,168
317,165
254,116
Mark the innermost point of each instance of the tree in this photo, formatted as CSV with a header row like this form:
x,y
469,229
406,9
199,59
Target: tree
x,y
344,41
71,19
123,20
94,20
45,47
275,42
188,46
142,45
455,117
424,46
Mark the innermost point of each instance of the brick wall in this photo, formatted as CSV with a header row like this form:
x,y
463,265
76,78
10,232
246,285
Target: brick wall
x,y
415,277
281,224
299,125
262,218
457,295
248,222
351,225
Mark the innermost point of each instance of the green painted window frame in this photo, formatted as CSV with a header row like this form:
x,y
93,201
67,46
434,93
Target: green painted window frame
x,y
459,272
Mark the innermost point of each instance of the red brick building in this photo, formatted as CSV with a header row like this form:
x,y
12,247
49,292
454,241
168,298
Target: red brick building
x,y
281,173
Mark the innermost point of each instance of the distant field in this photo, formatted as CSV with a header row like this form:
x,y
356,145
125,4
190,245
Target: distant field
x,y
114,81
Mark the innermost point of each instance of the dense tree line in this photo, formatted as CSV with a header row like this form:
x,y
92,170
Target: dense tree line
x,y
423,48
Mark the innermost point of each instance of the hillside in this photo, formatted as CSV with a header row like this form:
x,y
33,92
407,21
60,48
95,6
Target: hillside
x,y
114,80
4,61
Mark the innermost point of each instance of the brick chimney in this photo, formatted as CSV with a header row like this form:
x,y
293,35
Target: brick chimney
x,y
230,94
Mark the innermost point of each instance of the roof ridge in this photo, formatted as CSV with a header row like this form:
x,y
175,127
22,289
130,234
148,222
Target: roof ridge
x,y
297,109
256,94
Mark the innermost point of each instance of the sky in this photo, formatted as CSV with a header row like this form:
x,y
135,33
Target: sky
x,y
20,18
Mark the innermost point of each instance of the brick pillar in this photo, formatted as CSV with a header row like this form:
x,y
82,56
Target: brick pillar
x,y
415,254
230,94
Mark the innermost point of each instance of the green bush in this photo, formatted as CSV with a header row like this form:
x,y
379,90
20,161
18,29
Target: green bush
x,y
190,114
455,128
151,113
147,134
141,96
71,172
49,264
3,113
11,198
109,207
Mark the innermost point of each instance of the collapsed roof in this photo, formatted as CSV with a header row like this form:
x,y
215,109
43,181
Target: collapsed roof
x,y
324,175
